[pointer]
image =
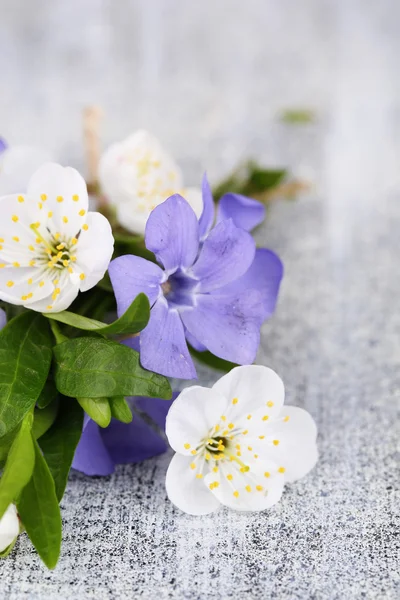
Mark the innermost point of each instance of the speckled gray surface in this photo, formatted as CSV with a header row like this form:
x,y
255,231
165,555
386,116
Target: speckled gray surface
x,y
209,78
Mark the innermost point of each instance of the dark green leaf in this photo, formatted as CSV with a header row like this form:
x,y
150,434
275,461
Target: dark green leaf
x,y
98,368
40,513
132,321
43,419
48,394
212,361
98,409
19,466
250,180
60,442
261,180
120,409
25,358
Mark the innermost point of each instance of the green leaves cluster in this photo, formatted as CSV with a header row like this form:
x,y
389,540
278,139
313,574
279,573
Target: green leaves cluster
x,y
47,382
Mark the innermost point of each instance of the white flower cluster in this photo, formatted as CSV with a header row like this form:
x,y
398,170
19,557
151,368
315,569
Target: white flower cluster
x,y
136,175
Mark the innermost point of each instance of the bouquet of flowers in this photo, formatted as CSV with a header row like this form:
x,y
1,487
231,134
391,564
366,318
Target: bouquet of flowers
x,y
100,307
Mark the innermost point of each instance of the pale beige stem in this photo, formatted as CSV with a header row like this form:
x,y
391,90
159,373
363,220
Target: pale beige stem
x,y
92,116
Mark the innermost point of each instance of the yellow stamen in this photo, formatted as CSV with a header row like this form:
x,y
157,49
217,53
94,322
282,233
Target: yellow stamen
x,y
34,228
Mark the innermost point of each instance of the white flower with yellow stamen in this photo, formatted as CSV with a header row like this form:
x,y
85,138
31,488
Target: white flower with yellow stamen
x,y
236,444
9,527
50,246
137,175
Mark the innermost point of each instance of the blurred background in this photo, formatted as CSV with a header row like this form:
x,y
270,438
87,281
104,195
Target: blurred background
x,y
212,79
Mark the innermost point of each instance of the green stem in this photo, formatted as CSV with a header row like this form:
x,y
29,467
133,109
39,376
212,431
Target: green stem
x,y
59,337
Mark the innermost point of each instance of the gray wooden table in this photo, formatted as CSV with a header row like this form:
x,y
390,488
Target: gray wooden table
x,y
210,79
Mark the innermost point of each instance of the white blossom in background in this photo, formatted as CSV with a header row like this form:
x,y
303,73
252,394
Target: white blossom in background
x,y
51,247
9,527
136,175
17,165
237,444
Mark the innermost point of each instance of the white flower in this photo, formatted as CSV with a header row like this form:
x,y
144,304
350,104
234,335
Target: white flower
x,y
50,246
17,165
236,444
137,175
9,527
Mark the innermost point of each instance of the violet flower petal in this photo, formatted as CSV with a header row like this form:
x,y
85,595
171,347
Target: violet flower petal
x,y
172,233
3,318
207,216
132,342
245,212
194,342
91,455
228,326
227,253
163,346
3,145
132,442
156,408
131,275
264,275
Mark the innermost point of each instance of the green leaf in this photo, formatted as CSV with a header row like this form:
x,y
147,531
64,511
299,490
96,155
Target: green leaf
x,y
59,443
120,409
98,368
19,466
40,513
5,444
43,419
132,321
48,394
261,180
213,361
25,358
98,409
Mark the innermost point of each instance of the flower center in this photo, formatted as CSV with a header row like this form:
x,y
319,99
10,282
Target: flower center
x,y
179,289
55,251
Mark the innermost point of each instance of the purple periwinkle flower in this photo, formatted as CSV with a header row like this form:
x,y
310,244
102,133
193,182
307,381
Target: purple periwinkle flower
x,y
100,450
194,295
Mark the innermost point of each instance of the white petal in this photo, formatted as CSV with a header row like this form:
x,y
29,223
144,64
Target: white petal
x,y
195,198
9,527
292,442
18,163
94,250
185,491
191,416
66,197
131,218
68,292
250,388
254,490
